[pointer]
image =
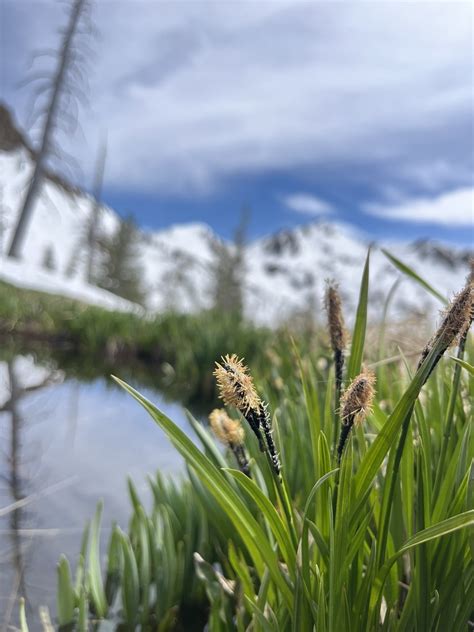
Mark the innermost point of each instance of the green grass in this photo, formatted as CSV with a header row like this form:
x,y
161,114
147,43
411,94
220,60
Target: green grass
x,y
383,542
172,352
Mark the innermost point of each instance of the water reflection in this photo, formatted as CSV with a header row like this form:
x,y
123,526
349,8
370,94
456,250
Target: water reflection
x,y
65,444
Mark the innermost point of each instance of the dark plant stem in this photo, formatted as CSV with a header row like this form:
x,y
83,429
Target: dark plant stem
x,y
339,365
338,369
241,459
253,419
345,430
284,498
268,432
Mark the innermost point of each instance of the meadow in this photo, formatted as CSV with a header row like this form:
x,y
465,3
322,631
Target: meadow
x,y
322,512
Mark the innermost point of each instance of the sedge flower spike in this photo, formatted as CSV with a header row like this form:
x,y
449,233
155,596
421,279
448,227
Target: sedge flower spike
x,y
337,330
457,319
227,430
356,403
236,388
336,327
231,433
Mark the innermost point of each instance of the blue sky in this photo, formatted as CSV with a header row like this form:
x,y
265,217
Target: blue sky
x,y
349,111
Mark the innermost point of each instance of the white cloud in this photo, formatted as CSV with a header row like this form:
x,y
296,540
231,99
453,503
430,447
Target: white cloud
x,y
194,92
307,204
453,209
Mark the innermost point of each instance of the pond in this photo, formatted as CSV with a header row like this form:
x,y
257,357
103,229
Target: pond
x,y
65,444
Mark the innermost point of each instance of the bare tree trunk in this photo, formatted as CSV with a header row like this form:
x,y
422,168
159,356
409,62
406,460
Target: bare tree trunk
x,y
17,483
52,108
17,492
94,219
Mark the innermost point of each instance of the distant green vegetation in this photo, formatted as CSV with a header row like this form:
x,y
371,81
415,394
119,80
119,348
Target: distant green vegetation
x,y
175,352
375,535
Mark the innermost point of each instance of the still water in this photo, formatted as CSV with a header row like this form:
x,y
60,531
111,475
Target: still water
x,y
65,444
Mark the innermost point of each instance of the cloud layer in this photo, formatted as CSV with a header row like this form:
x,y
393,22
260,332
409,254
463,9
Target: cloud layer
x,y
194,93
452,209
307,204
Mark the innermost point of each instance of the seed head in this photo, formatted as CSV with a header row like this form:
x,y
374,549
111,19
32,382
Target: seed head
x,y
458,315
227,430
236,386
337,331
457,319
357,400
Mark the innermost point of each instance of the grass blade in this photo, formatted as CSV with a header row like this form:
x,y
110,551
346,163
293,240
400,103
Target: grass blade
x,y
386,438
409,272
65,597
270,513
23,623
465,365
358,335
461,521
250,531
95,574
130,582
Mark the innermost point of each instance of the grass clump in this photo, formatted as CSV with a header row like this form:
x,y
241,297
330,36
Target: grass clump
x,y
372,536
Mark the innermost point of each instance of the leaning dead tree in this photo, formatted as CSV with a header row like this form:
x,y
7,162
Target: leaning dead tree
x,y
61,90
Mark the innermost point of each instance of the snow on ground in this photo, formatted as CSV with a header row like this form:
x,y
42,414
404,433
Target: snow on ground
x,y
28,276
176,264
59,221
59,225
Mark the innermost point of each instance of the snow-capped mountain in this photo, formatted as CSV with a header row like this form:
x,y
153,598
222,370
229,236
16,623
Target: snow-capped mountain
x,y
284,273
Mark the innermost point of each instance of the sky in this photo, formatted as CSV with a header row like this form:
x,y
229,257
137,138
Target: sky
x,y
355,112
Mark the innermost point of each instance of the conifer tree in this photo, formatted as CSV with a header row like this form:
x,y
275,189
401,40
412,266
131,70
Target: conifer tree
x,y
227,271
121,272
49,262
3,221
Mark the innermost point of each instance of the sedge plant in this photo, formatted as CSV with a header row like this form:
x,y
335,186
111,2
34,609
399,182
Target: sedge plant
x,y
296,536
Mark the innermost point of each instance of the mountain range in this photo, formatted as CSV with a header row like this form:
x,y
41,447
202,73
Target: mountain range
x,y
284,274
